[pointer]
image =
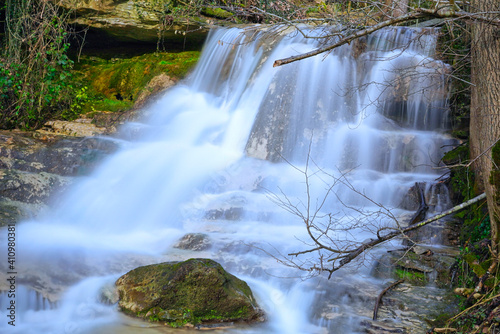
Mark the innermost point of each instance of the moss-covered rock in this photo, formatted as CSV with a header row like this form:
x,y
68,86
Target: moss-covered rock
x,y
117,84
419,265
196,292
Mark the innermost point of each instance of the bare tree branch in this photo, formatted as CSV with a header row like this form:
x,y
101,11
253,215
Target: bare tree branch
x,y
416,14
379,299
374,242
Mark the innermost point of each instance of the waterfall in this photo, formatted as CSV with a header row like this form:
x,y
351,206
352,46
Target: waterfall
x,y
213,151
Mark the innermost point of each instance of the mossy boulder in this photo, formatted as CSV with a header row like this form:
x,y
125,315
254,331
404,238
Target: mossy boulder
x,y
194,292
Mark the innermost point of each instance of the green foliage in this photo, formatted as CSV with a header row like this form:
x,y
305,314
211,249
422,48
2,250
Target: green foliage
x,y
80,99
35,71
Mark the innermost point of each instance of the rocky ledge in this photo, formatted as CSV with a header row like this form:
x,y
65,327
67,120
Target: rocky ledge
x,y
34,166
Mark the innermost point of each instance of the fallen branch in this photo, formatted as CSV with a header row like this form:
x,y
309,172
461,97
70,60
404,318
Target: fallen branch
x,y
349,39
443,330
373,242
379,299
417,14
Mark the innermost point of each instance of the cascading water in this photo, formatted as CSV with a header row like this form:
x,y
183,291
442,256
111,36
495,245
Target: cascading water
x,y
206,161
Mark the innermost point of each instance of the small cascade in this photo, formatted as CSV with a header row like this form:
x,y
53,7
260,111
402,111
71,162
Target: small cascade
x,y
346,135
27,300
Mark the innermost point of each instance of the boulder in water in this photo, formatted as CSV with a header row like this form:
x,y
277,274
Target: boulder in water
x,y
194,242
195,292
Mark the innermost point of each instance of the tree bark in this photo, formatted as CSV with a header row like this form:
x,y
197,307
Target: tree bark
x,y
485,106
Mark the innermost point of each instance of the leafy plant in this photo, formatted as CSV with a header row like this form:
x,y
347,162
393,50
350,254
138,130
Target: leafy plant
x,y
35,71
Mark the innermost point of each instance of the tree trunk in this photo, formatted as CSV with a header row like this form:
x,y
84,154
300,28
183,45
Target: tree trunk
x,y
485,109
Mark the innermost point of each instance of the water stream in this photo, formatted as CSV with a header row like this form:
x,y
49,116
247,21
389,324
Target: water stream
x,y
213,151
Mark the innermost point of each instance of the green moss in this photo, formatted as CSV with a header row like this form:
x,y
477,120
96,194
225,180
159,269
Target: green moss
x,y
112,105
114,85
440,320
476,224
193,291
411,276
478,268
216,12
460,154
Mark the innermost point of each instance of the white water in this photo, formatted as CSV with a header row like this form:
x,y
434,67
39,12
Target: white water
x,y
197,167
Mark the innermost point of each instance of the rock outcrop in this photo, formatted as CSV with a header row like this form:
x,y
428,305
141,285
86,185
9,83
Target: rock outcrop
x,y
196,292
34,166
133,21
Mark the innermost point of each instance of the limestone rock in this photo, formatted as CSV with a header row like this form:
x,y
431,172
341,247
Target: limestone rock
x,y
420,265
34,188
39,152
77,128
35,166
232,213
193,292
13,211
153,88
129,20
194,241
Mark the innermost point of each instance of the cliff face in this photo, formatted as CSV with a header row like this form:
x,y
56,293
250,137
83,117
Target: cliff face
x,y
134,21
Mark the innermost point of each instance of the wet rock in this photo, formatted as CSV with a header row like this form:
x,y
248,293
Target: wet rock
x,y
405,308
438,197
445,231
109,294
412,309
65,156
34,188
411,201
224,214
407,88
34,166
194,242
13,211
372,327
196,291
419,265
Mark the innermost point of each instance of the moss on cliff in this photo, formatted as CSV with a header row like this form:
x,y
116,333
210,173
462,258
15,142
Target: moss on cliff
x,y
115,84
